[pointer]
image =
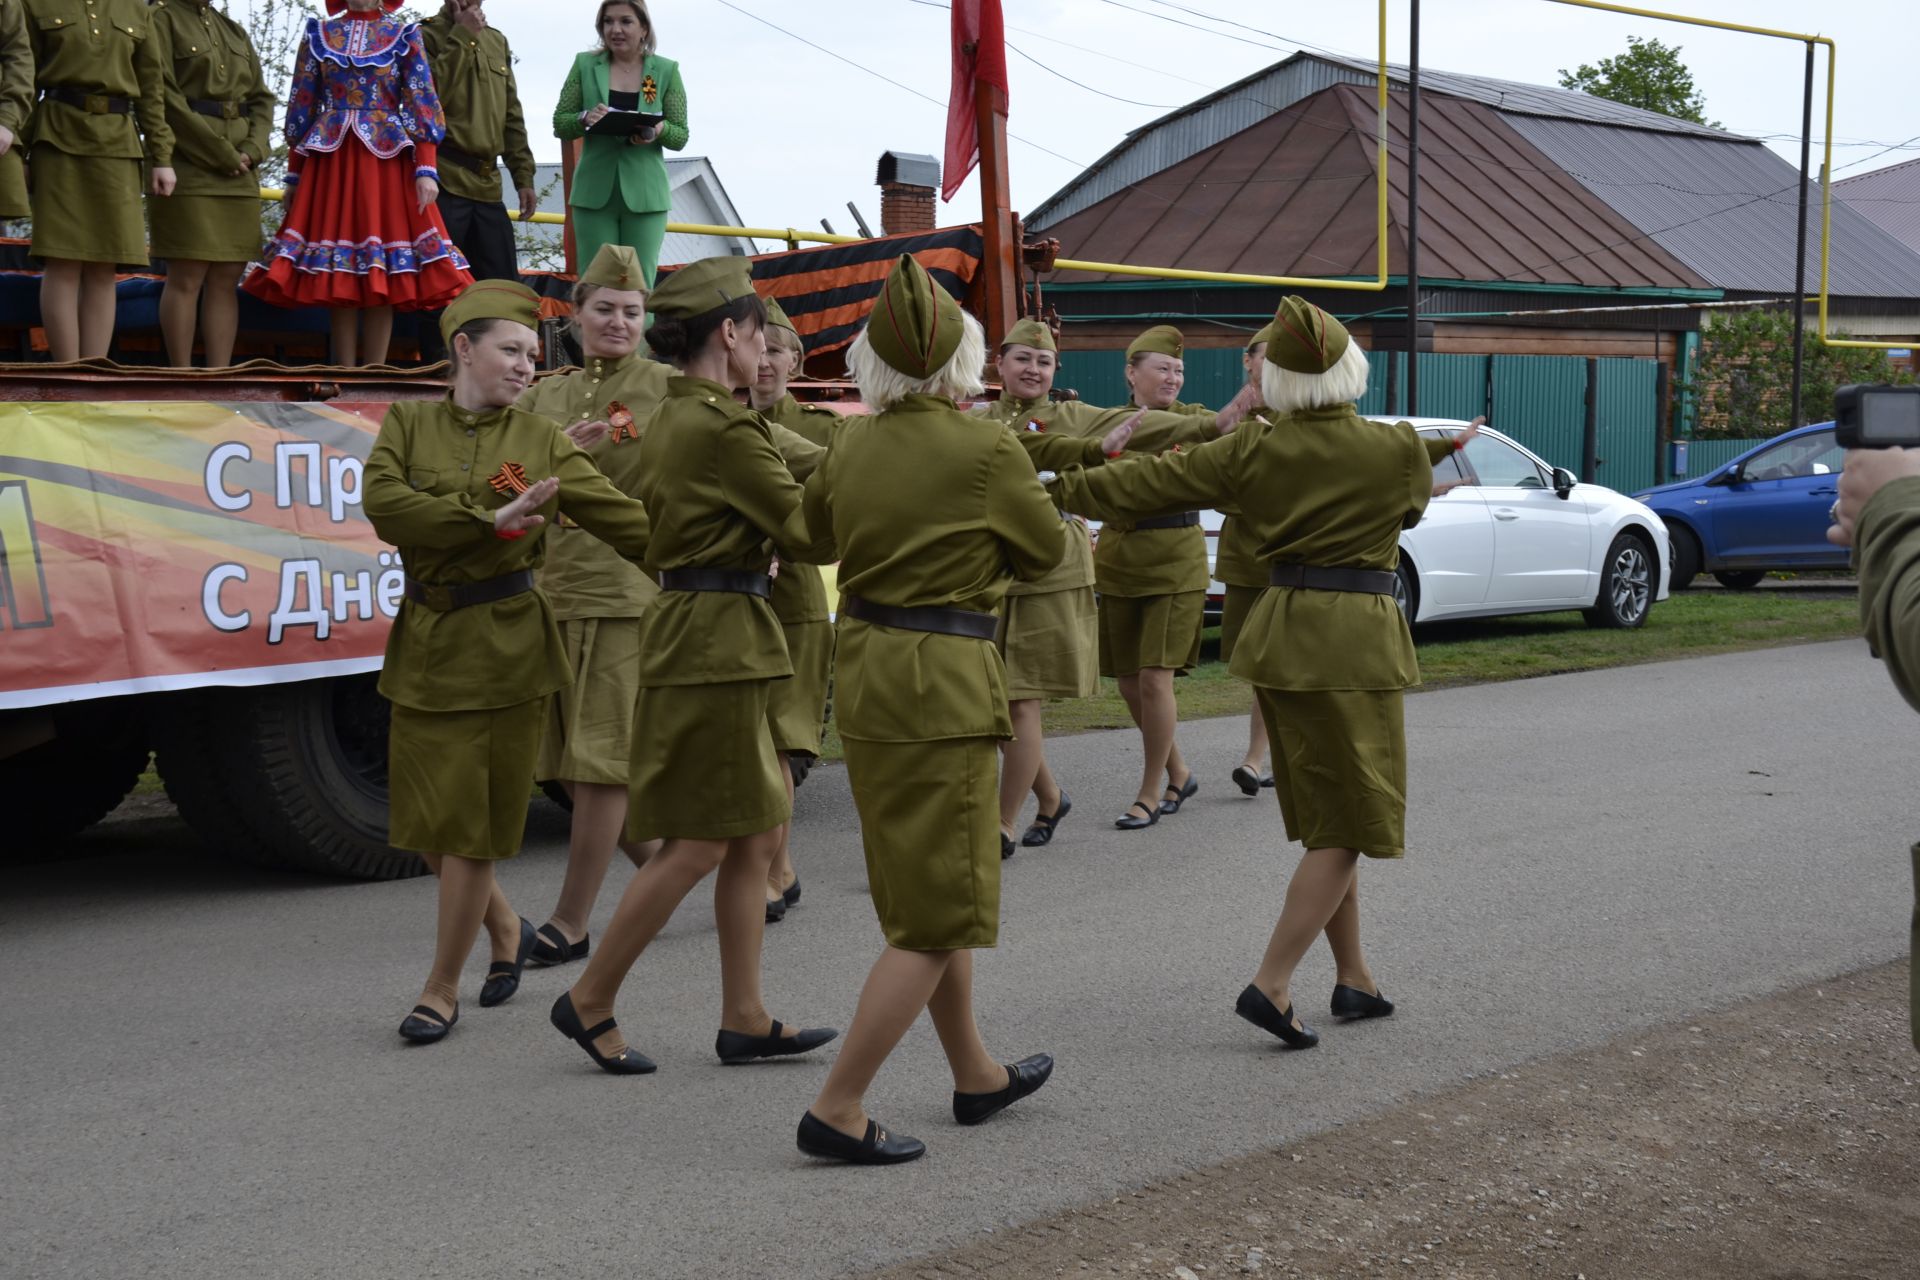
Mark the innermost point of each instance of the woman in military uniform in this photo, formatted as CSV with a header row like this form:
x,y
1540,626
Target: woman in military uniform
x,y
926,553
704,775
16,103
598,597
1326,494
464,488
97,67
797,707
620,190
221,114
1236,563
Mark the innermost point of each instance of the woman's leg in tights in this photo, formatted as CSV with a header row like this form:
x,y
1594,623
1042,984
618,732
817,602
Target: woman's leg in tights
x,y
951,1007
344,324
1256,757
1022,758
469,897
652,896
99,308
599,823
897,989
1149,699
1343,935
740,915
180,309
1322,885
376,334
220,311
781,875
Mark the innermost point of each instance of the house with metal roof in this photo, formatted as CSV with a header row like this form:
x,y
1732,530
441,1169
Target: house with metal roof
x,y
1889,198
697,197
1551,222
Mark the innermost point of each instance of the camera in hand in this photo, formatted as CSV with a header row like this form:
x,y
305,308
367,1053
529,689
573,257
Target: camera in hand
x,y
1877,416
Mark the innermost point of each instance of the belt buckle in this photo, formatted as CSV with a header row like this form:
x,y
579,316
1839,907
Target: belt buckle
x,y
96,104
229,111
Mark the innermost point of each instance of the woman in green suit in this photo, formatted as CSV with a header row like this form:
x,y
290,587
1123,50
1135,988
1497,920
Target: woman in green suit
x,y
620,189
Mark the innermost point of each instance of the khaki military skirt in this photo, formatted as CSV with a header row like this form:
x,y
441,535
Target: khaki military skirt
x,y
703,765
1233,617
1340,767
930,823
13,184
1050,642
86,208
460,781
1137,632
797,706
591,720
205,228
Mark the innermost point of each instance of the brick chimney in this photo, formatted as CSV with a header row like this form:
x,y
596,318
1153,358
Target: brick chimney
x,y
908,185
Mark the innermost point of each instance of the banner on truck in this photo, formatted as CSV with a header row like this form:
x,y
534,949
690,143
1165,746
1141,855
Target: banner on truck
x,y
165,545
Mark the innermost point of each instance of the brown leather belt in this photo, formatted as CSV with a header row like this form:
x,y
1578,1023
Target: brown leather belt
x,y
1373,582
1181,521
738,581
938,621
465,159
448,598
218,110
94,104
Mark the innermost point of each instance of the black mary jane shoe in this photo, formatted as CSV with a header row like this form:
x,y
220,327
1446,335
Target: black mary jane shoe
x,y
1127,822
1007,847
776,910
1023,1077
1256,1008
1247,780
824,1142
566,1020
1181,794
1351,1004
503,977
1041,832
737,1047
792,893
551,947
427,1026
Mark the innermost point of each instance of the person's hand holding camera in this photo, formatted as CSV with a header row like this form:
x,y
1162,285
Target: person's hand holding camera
x,y
1867,471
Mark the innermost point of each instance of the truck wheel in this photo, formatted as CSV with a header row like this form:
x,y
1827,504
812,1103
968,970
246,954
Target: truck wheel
x,y
289,776
54,791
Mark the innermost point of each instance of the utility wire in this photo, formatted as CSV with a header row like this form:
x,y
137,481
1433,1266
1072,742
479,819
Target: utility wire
x,y
1132,102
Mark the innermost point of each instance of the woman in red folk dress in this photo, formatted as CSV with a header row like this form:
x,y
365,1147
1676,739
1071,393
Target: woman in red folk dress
x,y
361,234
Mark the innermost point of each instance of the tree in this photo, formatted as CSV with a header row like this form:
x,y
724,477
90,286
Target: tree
x,y
1743,380
1649,75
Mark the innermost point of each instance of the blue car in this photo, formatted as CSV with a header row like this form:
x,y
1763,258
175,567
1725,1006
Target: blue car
x,y
1765,510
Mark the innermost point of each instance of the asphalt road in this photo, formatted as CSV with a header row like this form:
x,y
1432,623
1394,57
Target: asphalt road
x,y
202,1076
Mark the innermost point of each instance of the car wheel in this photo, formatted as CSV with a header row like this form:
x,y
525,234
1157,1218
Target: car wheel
x,y
1741,579
1686,559
1626,584
1406,591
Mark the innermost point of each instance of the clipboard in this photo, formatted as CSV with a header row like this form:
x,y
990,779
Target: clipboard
x,y
624,124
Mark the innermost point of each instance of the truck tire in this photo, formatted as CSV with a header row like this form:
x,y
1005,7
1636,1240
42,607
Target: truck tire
x,y
287,776
54,791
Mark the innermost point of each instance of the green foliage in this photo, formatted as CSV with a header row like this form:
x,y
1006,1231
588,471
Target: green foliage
x,y
1743,383
1649,75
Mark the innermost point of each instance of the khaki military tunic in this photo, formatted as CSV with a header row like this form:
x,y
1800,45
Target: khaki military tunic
x,y
718,491
1236,560
16,102
797,708
928,506
213,214
1887,554
470,686
1329,489
473,75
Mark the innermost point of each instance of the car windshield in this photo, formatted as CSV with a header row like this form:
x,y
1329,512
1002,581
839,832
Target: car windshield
x,y
1818,454
1495,462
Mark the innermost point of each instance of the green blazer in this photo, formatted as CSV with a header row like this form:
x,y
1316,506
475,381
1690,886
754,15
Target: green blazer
x,y
612,166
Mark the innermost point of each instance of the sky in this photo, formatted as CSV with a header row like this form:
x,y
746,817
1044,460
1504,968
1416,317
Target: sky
x,y
795,131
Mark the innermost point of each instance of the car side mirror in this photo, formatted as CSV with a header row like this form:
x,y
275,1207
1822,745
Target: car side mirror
x,y
1730,476
1563,482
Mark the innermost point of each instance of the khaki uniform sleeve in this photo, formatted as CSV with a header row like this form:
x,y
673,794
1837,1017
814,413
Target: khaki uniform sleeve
x,y
1160,430
755,481
151,104
196,139
1887,553
1135,488
258,144
1439,449
1419,477
800,454
808,533
16,68
591,501
517,151
405,517
1020,514
1050,452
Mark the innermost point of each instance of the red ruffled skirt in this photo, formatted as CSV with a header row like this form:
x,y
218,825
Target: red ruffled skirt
x,y
354,236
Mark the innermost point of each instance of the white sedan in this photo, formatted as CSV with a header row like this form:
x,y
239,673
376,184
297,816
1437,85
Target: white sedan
x,y
1516,535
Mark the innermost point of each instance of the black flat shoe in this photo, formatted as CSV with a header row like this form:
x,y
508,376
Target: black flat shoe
x,y
1266,779
427,1026
799,765
1127,822
551,947
792,894
567,1022
1247,780
503,977
1257,1009
1181,794
1350,1003
825,1142
1043,823
736,1047
1007,846
1023,1077
776,910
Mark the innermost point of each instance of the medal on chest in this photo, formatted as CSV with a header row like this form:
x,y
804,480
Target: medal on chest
x,y
620,423
650,90
510,480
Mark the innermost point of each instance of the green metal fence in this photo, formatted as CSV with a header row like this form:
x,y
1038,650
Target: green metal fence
x,y
1706,456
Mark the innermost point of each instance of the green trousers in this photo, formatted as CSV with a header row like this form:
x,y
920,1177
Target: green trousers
x,y
616,224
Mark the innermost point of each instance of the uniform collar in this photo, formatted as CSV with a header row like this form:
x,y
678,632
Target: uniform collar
x,y
469,418
712,392
602,368
921,402
1016,405
1327,413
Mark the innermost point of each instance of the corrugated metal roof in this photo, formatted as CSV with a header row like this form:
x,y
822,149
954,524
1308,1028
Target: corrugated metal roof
x,y
1723,207
1294,195
1889,198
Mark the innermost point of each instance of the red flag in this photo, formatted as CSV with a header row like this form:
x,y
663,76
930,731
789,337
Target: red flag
x,y
979,53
